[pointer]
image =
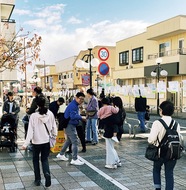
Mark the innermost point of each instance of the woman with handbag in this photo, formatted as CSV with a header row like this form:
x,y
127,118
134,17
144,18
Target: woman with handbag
x,y
38,133
166,109
92,117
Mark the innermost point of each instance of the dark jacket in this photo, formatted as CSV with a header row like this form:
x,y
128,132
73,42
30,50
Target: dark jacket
x,y
54,107
15,108
33,106
113,123
140,104
72,111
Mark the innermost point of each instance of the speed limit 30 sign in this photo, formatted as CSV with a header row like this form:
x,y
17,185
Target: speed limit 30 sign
x,y
103,54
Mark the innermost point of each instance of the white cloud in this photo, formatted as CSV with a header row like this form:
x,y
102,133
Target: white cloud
x,y
74,20
60,42
22,12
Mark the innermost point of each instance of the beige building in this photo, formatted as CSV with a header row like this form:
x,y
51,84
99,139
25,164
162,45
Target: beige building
x,y
48,78
64,70
136,59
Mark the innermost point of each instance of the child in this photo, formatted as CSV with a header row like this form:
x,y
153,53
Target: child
x,y
107,110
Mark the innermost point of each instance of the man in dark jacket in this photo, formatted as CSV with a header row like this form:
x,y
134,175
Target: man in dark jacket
x,y
10,111
37,93
54,106
140,107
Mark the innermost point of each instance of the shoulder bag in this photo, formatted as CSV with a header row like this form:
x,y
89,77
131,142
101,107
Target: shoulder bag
x,y
52,139
152,152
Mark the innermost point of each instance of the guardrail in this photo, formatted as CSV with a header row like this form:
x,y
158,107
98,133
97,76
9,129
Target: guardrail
x,y
132,127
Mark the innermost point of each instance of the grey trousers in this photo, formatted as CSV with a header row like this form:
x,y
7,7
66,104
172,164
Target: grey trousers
x,y
72,138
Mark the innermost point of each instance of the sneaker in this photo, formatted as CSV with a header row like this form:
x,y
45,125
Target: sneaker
x,y
119,164
62,157
111,166
77,162
47,180
115,139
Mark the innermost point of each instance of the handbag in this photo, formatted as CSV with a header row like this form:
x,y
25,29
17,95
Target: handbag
x,y
52,139
152,152
91,113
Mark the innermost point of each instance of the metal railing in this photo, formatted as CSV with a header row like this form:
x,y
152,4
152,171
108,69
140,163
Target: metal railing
x,y
180,51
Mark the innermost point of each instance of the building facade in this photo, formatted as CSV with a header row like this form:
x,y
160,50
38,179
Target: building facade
x,y
136,59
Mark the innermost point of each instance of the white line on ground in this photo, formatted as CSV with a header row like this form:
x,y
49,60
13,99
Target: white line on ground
x,y
116,183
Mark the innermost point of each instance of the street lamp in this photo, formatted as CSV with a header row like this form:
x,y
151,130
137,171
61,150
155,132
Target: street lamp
x,y
158,71
89,58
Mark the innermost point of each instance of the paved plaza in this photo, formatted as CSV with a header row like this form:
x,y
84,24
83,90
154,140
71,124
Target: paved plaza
x,y
16,170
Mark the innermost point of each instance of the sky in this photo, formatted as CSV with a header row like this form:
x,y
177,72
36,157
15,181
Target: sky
x,y
66,25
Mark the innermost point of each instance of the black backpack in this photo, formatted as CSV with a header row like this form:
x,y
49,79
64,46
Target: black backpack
x,y
170,146
63,122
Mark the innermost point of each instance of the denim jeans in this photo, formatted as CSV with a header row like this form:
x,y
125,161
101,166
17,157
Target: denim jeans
x,y
141,117
169,178
72,138
91,130
44,150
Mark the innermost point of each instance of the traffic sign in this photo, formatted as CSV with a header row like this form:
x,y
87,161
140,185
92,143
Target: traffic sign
x,y
103,68
103,54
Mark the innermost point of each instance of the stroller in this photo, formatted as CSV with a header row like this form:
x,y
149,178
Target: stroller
x,y
8,132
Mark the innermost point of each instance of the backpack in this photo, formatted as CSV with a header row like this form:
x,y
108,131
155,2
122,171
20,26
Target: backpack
x,y
63,122
170,146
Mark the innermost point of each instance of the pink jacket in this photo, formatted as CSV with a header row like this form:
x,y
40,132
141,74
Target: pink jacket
x,y
107,111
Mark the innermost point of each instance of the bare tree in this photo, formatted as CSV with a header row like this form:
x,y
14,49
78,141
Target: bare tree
x,y
19,51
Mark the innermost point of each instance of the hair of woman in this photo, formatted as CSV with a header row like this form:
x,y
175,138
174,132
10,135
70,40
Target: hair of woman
x,y
40,101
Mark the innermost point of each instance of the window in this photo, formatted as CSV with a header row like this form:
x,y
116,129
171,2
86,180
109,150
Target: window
x,y
181,46
59,77
124,58
137,55
164,49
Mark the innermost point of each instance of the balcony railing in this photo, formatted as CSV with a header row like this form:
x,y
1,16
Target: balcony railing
x,y
8,20
181,51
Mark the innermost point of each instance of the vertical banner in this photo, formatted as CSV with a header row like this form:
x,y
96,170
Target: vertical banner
x,y
184,88
135,91
85,80
173,86
161,87
51,82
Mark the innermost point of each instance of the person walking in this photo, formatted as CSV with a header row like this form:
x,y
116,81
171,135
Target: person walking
x,y
72,112
140,107
36,93
110,127
91,126
166,109
40,139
